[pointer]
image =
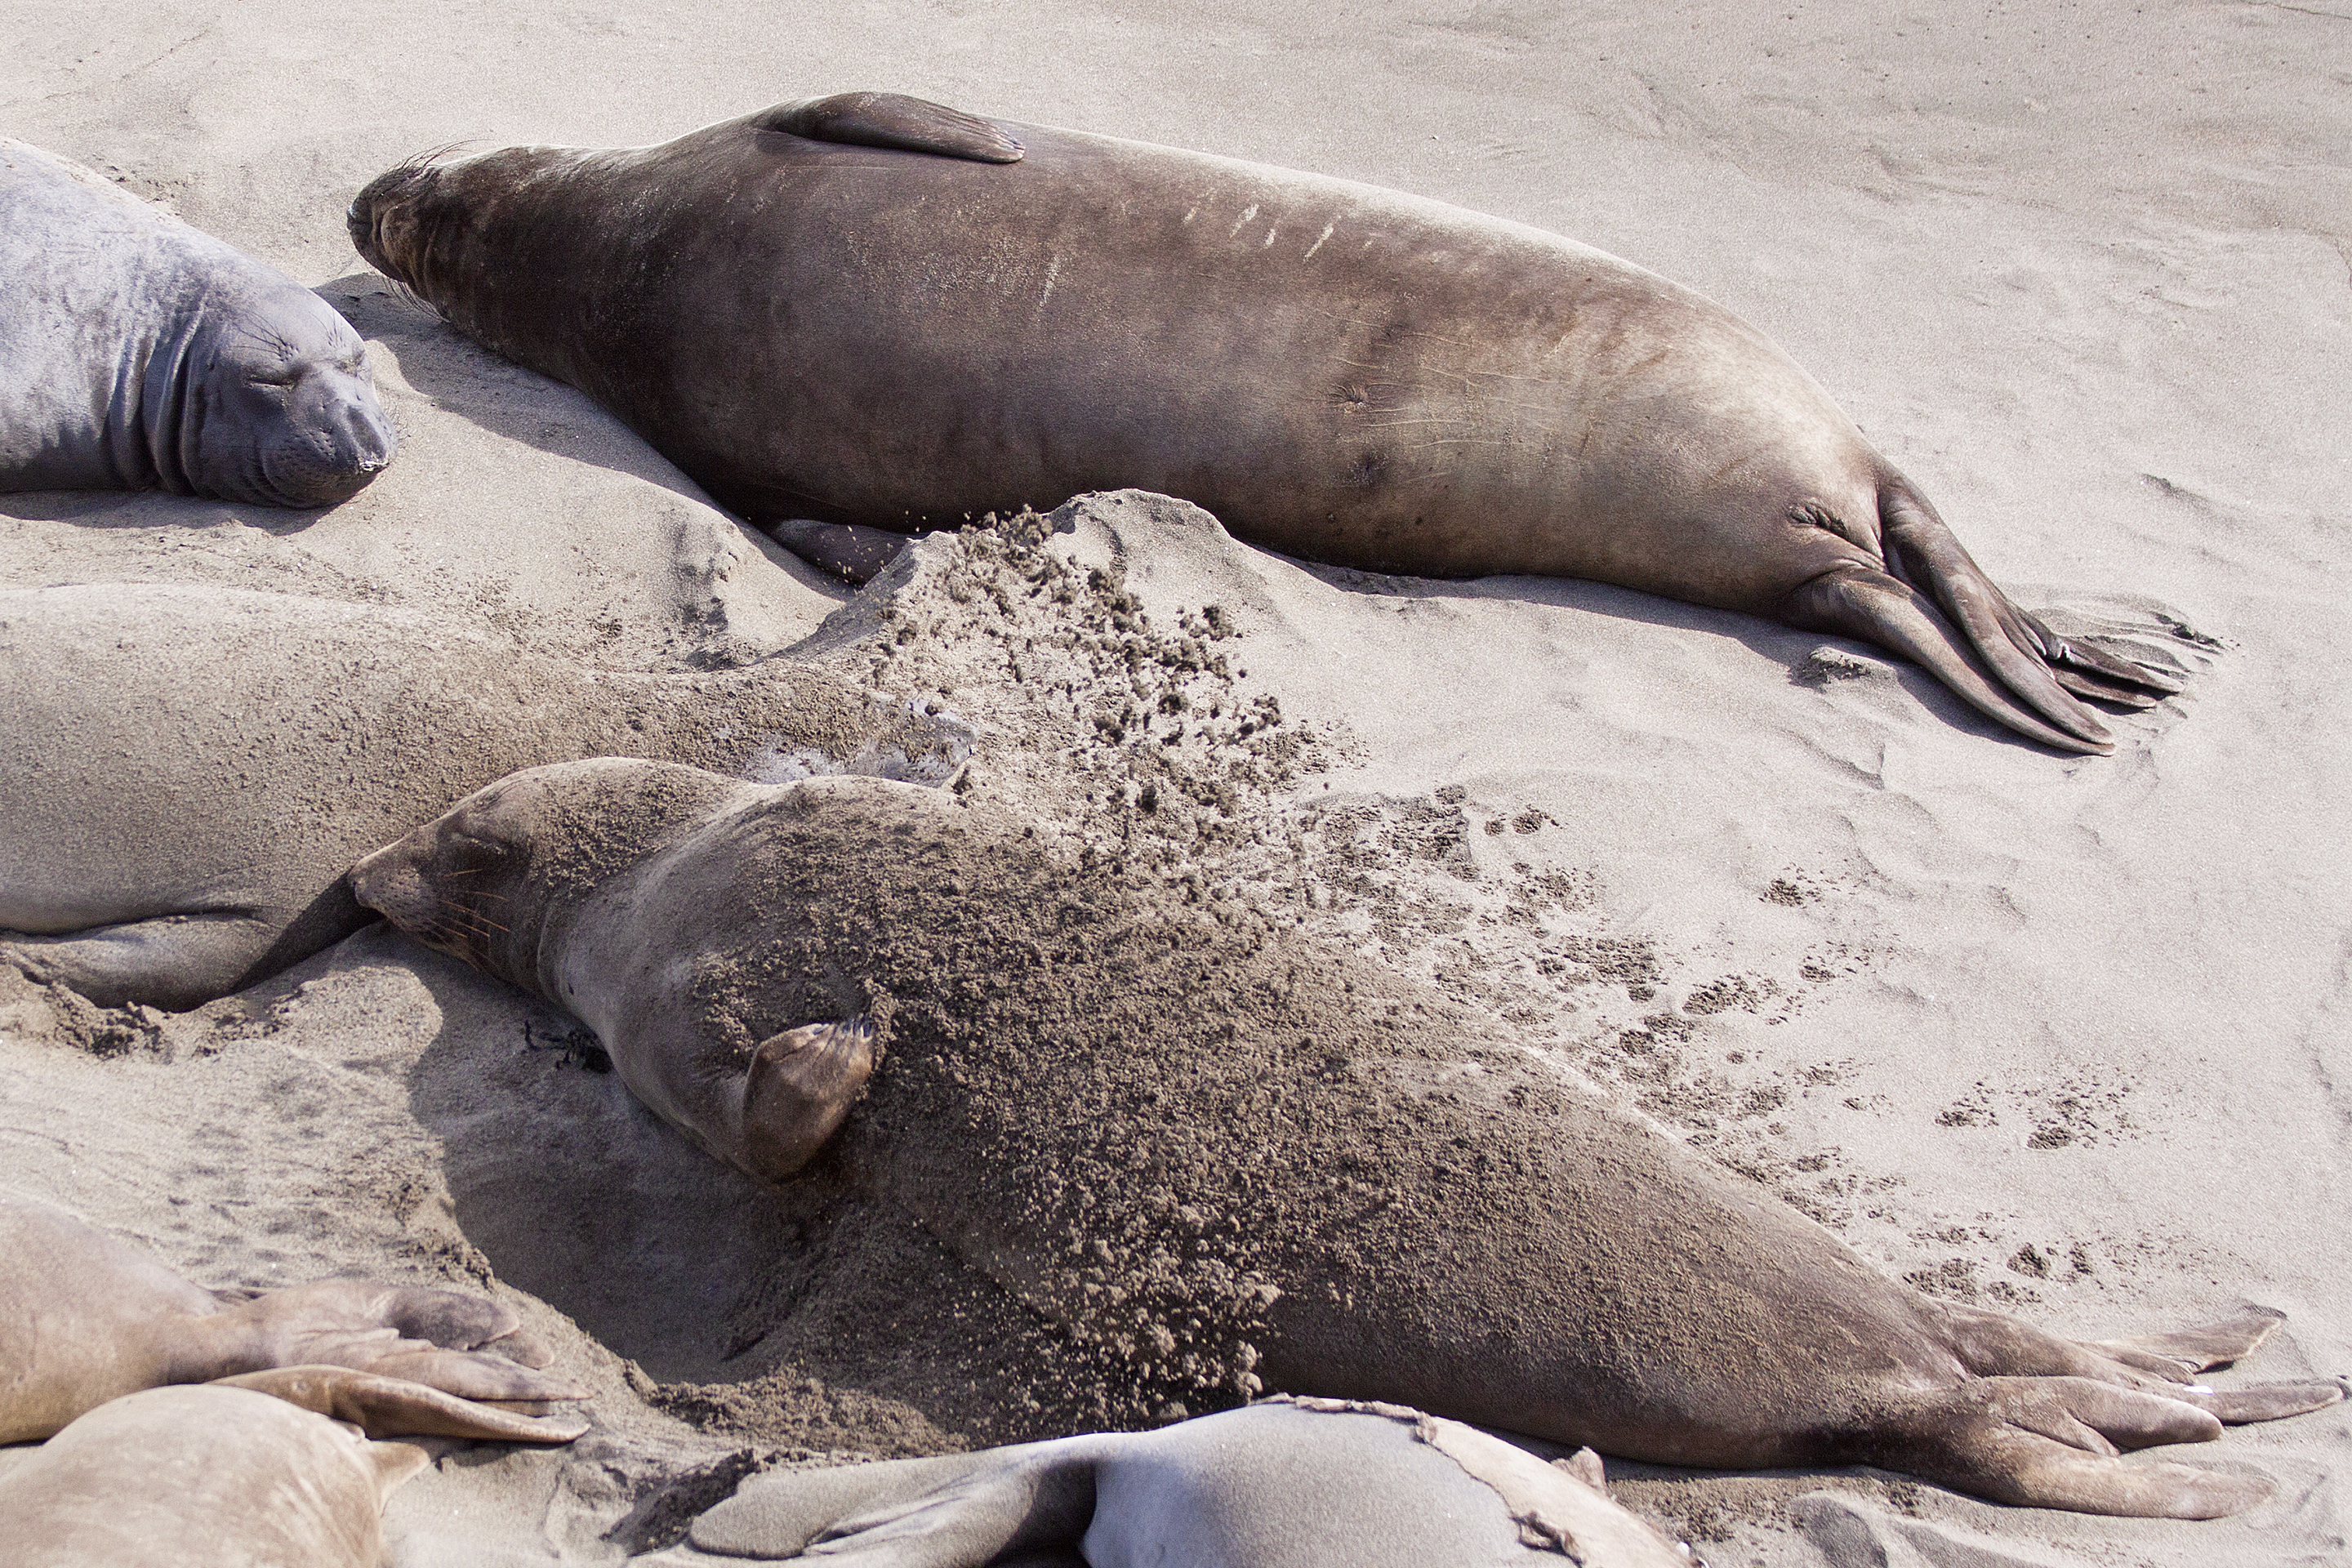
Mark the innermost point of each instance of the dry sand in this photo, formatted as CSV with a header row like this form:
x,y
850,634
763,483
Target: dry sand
x,y
2065,1036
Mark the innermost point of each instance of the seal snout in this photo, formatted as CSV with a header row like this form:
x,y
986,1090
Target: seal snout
x,y
383,215
391,882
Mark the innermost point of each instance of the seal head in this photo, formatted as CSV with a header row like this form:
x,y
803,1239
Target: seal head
x,y
138,353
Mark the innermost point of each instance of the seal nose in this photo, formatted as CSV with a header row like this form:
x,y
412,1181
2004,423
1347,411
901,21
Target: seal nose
x,y
389,882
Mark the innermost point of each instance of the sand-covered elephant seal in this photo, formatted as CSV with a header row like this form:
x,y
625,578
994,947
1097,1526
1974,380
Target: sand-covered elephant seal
x,y
1233,1157
874,311
1281,1484
186,771
138,353
212,1476
85,1318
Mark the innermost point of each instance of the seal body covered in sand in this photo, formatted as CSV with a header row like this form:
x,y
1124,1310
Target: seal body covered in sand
x,y
137,353
1238,1159
1282,1484
185,773
876,311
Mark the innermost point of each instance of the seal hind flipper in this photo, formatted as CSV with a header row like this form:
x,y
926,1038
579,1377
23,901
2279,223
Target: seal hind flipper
x,y
2055,1442
172,962
2186,1350
958,1512
894,121
393,1406
1874,606
411,1332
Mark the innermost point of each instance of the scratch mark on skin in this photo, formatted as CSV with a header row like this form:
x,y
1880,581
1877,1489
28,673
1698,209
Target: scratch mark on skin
x,y
1318,241
1053,271
1268,242
1243,219
1192,212
2304,11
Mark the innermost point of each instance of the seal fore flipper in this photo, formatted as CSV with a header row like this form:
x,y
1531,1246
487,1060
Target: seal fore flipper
x,y
798,1088
893,120
849,551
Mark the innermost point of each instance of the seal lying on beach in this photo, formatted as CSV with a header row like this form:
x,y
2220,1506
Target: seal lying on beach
x,y
1231,1158
221,1475
136,354
1282,1484
873,310
85,1318
185,772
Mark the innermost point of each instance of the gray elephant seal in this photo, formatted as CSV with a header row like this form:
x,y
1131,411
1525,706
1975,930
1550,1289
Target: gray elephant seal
x,y
207,1477
137,353
185,773
873,310
1230,1158
85,1318
1281,1484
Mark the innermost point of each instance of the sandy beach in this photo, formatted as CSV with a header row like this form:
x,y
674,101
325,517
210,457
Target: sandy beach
x,y
2067,1037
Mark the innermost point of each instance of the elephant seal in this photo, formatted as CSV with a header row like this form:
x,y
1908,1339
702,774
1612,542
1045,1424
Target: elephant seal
x,y
1281,1484
1230,1158
137,353
874,311
214,1476
186,771
85,1318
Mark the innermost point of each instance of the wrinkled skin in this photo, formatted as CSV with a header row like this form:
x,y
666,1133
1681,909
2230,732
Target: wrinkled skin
x,y
872,311
1420,1217
85,1319
136,354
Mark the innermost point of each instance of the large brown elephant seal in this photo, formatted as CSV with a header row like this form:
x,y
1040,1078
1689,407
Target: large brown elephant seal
x,y
137,353
1281,1484
186,771
85,1318
1230,1157
873,310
